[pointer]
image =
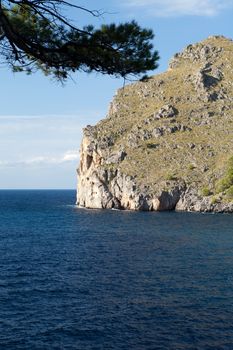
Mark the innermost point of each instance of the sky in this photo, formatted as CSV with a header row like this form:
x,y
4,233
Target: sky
x,y
41,121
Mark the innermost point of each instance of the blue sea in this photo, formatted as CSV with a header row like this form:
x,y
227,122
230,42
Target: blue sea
x,y
88,279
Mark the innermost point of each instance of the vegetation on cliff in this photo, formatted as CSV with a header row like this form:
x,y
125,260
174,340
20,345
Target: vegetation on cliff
x,y
175,129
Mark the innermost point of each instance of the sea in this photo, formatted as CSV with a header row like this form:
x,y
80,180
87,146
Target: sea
x,y
104,279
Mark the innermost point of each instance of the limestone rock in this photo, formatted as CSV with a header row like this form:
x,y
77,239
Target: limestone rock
x,y
167,111
166,140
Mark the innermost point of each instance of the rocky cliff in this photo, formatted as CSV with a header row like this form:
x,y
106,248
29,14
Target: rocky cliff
x,y
167,141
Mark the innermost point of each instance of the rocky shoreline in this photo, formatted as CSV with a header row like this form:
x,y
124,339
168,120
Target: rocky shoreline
x,y
100,188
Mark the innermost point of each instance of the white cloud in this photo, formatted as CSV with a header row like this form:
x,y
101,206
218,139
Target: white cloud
x,y
36,142
70,156
172,8
67,157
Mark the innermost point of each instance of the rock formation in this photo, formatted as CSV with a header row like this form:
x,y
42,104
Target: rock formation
x,y
167,141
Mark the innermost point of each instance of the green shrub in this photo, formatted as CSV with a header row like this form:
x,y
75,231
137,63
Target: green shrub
x,y
205,191
214,200
229,193
227,181
191,166
170,177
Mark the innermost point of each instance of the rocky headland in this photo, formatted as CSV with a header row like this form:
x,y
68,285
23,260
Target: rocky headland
x,y
167,141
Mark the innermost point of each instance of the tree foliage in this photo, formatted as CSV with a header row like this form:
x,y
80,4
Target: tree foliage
x,y
34,34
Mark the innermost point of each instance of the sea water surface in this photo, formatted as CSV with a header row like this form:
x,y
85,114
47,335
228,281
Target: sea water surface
x,y
91,279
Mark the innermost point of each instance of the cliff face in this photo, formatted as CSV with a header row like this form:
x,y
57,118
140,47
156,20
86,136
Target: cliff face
x,y
167,142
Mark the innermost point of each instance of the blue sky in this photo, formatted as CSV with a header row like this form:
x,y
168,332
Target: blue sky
x,y
41,122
